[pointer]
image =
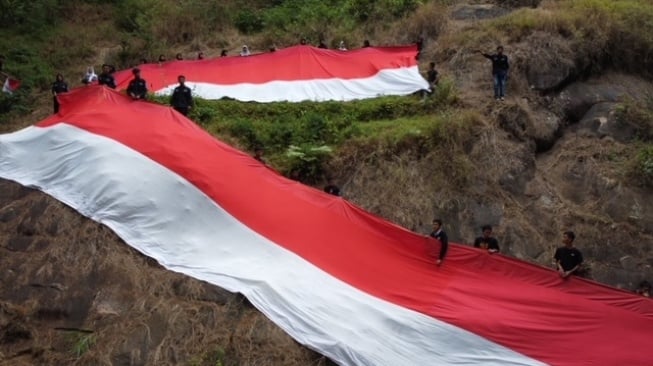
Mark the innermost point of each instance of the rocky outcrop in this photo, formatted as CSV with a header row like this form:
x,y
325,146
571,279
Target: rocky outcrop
x,y
549,63
520,121
578,98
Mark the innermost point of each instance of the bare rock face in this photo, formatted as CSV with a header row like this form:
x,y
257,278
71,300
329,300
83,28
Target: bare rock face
x,y
550,62
578,98
518,119
73,293
602,120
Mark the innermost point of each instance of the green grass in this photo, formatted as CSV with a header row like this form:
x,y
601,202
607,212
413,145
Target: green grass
x,y
82,343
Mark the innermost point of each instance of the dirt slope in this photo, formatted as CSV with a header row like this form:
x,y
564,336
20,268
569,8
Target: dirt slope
x,y
72,293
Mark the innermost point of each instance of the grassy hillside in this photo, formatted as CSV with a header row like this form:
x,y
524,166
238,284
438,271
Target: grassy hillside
x,y
523,165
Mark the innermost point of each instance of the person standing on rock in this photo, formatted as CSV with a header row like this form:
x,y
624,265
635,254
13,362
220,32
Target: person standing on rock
x,y
487,241
568,259
500,67
440,235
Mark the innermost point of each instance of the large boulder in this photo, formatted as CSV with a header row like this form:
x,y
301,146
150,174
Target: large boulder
x,y
602,120
540,127
549,62
578,98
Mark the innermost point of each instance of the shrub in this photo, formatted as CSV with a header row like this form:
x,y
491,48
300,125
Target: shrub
x,y
638,115
306,163
244,130
249,21
29,16
643,168
428,21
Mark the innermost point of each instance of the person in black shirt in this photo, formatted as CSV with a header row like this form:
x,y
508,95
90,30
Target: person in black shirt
x,y
486,241
440,235
644,289
223,53
137,88
432,75
302,41
162,58
200,55
366,43
182,98
420,46
568,259
322,45
331,188
106,77
59,86
179,57
500,68
258,154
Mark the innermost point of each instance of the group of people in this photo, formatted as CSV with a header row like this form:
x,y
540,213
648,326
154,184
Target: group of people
x,y
486,241
568,259
181,98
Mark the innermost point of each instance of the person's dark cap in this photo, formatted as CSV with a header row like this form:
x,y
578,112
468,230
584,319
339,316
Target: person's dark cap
x,y
136,70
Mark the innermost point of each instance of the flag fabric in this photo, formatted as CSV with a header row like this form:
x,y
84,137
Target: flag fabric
x,y
292,74
10,85
338,279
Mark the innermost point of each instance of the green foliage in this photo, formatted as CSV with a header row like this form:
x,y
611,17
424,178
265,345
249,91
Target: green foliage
x,y
82,343
249,21
29,16
377,10
638,115
306,163
168,22
643,168
210,358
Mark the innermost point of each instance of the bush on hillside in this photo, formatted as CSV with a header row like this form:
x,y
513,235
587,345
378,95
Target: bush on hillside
x,y
29,16
638,115
172,22
428,21
643,167
306,163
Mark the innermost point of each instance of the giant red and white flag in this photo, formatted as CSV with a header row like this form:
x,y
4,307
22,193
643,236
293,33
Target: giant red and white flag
x,y
338,279
292,74
10,85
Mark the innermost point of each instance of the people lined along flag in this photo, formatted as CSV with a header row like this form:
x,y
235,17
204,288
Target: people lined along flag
x,y
293,74
356,288
10,85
